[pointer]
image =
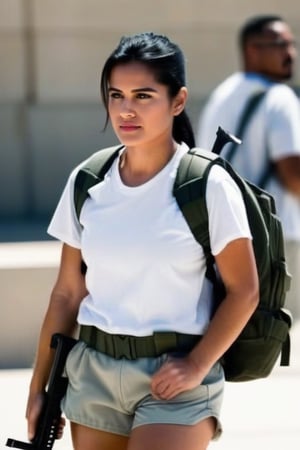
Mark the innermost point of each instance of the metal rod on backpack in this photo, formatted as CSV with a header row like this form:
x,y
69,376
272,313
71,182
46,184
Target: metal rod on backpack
x,y
223,137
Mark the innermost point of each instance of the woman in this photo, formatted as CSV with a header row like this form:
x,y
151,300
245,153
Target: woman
x,y
145,274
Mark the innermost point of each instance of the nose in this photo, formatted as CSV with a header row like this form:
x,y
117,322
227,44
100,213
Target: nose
x,y
127,111
127,114
291,48
293,51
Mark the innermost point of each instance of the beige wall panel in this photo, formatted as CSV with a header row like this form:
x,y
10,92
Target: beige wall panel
x,y
68,68
216,12
133,14
11,14
13,190
11,68
206,61
62,136
120,15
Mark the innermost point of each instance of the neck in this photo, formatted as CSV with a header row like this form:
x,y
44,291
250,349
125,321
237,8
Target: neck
x,y
267,76
137,165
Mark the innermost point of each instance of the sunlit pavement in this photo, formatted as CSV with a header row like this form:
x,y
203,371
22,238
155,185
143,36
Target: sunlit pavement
x,y
257,415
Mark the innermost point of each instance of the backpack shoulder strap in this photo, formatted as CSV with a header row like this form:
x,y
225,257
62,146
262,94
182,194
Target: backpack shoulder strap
x,y
91,173
250,107
190,189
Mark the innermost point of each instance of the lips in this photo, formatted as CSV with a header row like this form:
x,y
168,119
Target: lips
x,y
129,127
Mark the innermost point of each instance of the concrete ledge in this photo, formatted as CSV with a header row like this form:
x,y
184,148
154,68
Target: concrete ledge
x,y
27,274
18,255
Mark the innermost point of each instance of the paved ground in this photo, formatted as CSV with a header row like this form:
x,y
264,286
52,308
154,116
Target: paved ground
x,y
258,415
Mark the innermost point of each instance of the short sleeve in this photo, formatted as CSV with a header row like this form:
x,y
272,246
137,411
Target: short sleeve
x,y
226,210
64,225
283,119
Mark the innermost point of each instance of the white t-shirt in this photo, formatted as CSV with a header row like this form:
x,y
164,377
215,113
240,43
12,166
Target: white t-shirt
x,y
273,133
145,271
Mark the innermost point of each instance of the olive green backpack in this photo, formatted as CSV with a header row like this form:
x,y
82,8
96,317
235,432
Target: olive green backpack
x,y
266,335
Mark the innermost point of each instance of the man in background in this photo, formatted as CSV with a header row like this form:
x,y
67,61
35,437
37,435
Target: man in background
x,y
270,151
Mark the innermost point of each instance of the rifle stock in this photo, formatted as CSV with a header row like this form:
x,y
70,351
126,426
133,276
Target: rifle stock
x,y
50,416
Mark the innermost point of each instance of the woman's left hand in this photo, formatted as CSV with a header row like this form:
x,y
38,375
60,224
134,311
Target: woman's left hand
x,y
176,375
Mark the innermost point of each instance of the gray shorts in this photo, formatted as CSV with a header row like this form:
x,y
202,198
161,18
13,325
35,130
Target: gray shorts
x,y
114,395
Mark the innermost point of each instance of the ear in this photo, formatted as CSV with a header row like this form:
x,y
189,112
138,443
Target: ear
x,y
179,101
251,57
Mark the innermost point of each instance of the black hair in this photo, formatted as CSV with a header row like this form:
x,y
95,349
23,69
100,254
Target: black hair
x,y
165,60
256,26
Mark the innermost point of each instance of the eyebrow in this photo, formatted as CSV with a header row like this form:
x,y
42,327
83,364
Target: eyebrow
x,y
275,42
144,89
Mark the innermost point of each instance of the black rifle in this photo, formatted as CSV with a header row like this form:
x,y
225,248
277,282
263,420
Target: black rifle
x,y
49,419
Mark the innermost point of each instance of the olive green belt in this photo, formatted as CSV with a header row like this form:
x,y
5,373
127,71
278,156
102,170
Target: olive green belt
x,y
132,347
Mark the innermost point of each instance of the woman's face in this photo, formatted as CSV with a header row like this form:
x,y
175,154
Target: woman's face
x,y
139,107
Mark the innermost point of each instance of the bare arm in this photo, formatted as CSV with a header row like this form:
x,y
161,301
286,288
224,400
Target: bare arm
x,y
237,268
288,171
60,317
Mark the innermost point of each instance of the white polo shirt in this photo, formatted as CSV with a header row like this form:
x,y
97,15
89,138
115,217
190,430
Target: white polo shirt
x,y
145,271
273,133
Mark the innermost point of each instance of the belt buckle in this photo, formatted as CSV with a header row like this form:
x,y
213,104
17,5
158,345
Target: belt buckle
x,y
124,347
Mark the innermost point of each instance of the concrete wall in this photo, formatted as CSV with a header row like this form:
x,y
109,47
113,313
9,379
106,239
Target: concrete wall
x,y
51,54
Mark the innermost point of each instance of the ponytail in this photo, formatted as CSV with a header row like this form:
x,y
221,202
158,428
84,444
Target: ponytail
x,y
183,130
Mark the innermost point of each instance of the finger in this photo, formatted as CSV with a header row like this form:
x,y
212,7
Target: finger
x,y
62,421
59,433
163,374
169,393
33,413
32,424
60,429
161,387
32,421
166,390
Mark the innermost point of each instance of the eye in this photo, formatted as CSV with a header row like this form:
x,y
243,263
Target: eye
x,y
115,95
143,95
